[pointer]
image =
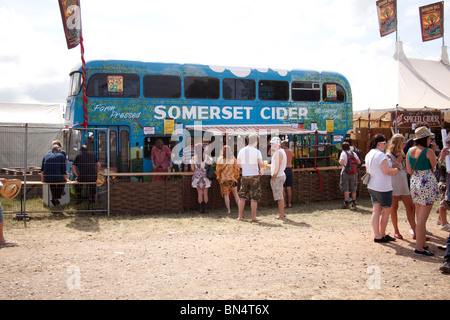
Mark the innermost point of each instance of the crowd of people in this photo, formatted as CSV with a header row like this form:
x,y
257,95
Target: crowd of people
x,y
250,160
408,171
399,170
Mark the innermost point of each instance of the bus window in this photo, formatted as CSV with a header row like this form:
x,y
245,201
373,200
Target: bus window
x,y
305,91
159,86
201,88
73,143
333,92
102,148
75,84
124,85
148,148
113,149
239,89
273,90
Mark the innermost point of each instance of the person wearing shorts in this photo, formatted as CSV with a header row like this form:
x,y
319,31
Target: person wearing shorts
x,y
380,187
250,160
278,164
348,182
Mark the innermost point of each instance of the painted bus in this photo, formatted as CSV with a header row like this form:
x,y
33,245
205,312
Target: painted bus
x,y
139,102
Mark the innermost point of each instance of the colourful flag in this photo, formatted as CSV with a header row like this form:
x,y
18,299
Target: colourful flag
x,y
387,16
71,18
432,21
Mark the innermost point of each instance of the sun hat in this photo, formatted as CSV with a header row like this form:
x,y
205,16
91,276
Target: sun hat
x,y
10,189
276,140
421,132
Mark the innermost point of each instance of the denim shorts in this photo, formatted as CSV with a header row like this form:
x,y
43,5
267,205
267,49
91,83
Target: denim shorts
x,y
384,198
1,214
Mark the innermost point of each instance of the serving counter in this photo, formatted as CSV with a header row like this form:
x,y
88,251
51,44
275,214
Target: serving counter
x,y
133,196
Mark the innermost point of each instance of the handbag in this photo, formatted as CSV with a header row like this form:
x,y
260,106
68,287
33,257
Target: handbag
x,y
210,174
366,178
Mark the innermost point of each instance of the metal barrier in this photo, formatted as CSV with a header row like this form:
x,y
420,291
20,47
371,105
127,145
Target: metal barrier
x,y
22,150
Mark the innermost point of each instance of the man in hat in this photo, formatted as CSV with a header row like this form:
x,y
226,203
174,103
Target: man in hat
x,y
3,241
278,165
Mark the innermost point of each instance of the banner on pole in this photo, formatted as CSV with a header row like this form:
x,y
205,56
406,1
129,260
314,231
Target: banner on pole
x,y
432,21
387,16
71,18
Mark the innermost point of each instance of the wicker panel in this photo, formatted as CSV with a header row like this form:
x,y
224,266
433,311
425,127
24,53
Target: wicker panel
x,y
330,185
146,197
316,193
303,186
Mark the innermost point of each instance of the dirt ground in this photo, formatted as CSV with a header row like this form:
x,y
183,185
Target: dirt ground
x,y
319,252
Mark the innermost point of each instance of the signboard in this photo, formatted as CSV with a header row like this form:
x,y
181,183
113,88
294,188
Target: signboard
x,y
330,125
71,19
407,119
387,16
432,21
169,126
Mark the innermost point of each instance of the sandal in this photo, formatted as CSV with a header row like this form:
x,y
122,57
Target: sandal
x,y
9,244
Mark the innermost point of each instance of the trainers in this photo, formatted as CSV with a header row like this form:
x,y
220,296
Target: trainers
x,y
345,205
389,238
424,253
445,268
446,227
353,206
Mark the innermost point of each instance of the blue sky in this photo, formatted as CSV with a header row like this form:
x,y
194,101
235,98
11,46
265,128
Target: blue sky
x,y
334,35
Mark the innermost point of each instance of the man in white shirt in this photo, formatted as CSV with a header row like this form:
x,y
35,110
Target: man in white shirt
x,y
278,164
250,160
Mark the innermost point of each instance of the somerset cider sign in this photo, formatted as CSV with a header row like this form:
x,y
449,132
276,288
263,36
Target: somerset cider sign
x,y
406,119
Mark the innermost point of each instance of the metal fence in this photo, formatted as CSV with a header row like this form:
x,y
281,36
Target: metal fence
x,y
22,151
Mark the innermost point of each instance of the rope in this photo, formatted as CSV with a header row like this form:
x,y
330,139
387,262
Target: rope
x,y
85,99
315,160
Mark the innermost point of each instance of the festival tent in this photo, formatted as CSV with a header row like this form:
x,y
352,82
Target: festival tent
x,y
412,84
43,124
405,84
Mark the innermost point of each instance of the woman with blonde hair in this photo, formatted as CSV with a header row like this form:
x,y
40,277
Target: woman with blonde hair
x,y
228,174
400,183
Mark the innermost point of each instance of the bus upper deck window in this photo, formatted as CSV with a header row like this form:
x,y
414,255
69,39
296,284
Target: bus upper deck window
x,y
239,89
333,92
273,90
305,91
125,85
201,88
162,86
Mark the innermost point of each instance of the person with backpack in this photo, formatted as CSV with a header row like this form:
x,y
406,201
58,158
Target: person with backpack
x,y
349,161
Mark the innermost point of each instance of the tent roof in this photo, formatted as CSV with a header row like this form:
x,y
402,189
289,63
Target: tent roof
x,y
414,84
20,113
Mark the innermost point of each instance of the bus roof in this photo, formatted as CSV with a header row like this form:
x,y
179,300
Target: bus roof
x,y
127,66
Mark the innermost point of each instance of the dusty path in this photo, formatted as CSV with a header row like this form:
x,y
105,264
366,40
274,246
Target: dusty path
x,y
319,253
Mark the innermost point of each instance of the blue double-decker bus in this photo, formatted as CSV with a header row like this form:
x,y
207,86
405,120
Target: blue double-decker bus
x,y
140,102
